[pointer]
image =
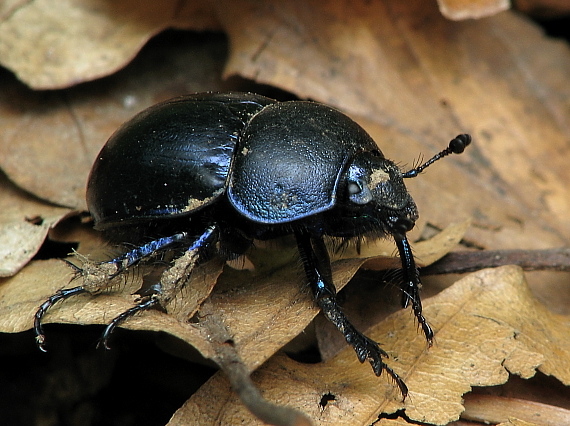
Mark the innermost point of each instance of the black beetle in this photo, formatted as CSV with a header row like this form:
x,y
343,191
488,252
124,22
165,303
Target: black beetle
x,y
214,171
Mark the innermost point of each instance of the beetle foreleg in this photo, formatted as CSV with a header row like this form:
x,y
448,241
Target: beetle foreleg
x,y
411,283
317,267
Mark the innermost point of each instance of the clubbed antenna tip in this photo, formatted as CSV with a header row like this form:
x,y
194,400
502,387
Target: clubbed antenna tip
x,y
456,146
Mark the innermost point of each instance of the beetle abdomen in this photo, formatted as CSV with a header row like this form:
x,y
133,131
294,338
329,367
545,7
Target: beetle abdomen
x,y
169,160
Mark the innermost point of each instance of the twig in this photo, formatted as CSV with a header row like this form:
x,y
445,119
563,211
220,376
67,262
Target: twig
x,y
229,360
529,260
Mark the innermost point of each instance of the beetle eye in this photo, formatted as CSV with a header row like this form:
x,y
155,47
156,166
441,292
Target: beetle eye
x,y
354,188
404,225
358,192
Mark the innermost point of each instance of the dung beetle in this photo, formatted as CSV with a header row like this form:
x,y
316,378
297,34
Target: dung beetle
x,y
214,171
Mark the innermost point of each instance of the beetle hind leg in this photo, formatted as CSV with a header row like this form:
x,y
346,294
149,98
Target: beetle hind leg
x,y
97,276
317,267
52,300
171,282
143,305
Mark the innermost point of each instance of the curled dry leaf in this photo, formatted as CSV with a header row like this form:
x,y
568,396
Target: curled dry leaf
x,y
49,140
487,325
22,295
490,409
56,45
471,9
24,225
51,45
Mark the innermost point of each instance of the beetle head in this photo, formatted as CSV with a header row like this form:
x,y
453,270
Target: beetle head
x,y
375,187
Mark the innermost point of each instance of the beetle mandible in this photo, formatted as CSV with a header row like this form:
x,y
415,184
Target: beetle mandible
x,y
215,171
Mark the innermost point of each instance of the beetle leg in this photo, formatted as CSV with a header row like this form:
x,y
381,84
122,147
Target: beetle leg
x,y
316,261
96,277
171,282
143,305
126,260
411,284
59,295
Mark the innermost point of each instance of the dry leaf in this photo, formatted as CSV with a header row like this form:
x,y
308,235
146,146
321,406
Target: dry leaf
x,y
487,326
512,411
50,140
412,78
24,224
471,9
260,311
52,45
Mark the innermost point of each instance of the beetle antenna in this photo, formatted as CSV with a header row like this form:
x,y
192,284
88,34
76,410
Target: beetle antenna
x,y
418,161
456,146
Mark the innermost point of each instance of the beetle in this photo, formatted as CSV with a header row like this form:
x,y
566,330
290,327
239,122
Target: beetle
x,y
215,171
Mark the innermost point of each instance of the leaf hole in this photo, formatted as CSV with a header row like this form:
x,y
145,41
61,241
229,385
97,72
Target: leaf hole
x,y
326,398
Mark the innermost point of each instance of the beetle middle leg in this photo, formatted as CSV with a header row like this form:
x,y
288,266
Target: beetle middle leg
x,y
317,265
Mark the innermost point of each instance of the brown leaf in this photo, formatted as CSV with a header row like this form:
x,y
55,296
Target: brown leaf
x,y
50,140
412,78
487,326
43,144
23,294
51,45
490,409
471,9
24,224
